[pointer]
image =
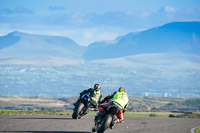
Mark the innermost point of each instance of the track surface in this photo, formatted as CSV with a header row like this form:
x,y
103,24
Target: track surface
x,y
64,124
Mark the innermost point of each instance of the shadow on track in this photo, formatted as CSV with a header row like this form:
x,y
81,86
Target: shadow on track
x,y
47,131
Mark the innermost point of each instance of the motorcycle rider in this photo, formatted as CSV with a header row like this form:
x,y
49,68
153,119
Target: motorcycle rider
x,y
119,97
95,95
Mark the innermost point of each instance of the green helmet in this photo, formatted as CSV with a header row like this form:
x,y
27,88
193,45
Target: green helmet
x,y
122,89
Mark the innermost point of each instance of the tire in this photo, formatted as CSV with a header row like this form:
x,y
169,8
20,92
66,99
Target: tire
x,y
106,124
77,110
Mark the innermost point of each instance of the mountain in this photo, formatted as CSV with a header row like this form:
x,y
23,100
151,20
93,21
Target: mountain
x,y
176,37
163,61
23,45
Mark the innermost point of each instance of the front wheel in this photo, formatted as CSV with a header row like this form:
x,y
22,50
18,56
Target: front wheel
x,y
77,110
105,124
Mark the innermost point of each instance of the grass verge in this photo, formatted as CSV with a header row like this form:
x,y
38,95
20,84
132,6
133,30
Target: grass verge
x,y
197,130
68,112
127,114
151,114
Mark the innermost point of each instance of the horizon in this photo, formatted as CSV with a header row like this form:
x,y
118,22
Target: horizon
x,y
94,40
163,61
91,21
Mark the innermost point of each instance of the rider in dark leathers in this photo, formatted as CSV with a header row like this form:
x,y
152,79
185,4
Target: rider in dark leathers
x,y
95,95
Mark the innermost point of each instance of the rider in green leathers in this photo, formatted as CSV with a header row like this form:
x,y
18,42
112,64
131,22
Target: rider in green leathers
x,y
119,97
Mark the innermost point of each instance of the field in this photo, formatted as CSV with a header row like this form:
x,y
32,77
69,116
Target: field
x,y
127,114
139,106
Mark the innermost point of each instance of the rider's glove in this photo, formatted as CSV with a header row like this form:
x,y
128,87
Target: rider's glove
x,y
124,111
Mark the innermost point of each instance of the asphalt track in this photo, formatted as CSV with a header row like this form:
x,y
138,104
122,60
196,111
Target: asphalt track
x,y
65,124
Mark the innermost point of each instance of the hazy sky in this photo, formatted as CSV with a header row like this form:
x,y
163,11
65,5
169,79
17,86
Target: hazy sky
x,y
86,21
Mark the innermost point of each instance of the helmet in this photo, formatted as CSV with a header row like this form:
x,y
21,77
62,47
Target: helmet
x,y
122,89
97,87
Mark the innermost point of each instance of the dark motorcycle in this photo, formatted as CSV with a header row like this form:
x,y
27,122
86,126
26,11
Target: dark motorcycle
x,y
82,107
105,120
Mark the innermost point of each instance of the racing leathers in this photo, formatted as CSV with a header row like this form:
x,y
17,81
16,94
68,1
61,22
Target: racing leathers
x,y
119,98
95,96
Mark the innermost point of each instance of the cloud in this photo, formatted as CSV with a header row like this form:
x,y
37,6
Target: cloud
x,y
145,14
86,27
6,11
79,17
169,9
86,36
124,19
23,10
18,10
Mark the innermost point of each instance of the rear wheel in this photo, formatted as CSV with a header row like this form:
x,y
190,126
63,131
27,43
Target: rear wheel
x,y
105,124
77,111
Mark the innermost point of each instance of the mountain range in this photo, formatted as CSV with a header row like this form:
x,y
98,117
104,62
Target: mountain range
x,y
176,37
162,61
19,44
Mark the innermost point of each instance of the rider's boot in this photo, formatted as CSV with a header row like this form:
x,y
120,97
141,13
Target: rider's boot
x,y
114,122
93,129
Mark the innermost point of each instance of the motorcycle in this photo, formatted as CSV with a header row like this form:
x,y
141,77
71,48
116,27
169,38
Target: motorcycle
x,y
106,119
82,107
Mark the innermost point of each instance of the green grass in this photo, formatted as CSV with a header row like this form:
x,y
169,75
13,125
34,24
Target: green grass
x,y
146,114
127,114
36,112
197,130
150,114
92,113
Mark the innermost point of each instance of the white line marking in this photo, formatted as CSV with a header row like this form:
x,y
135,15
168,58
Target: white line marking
x,y
193,129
